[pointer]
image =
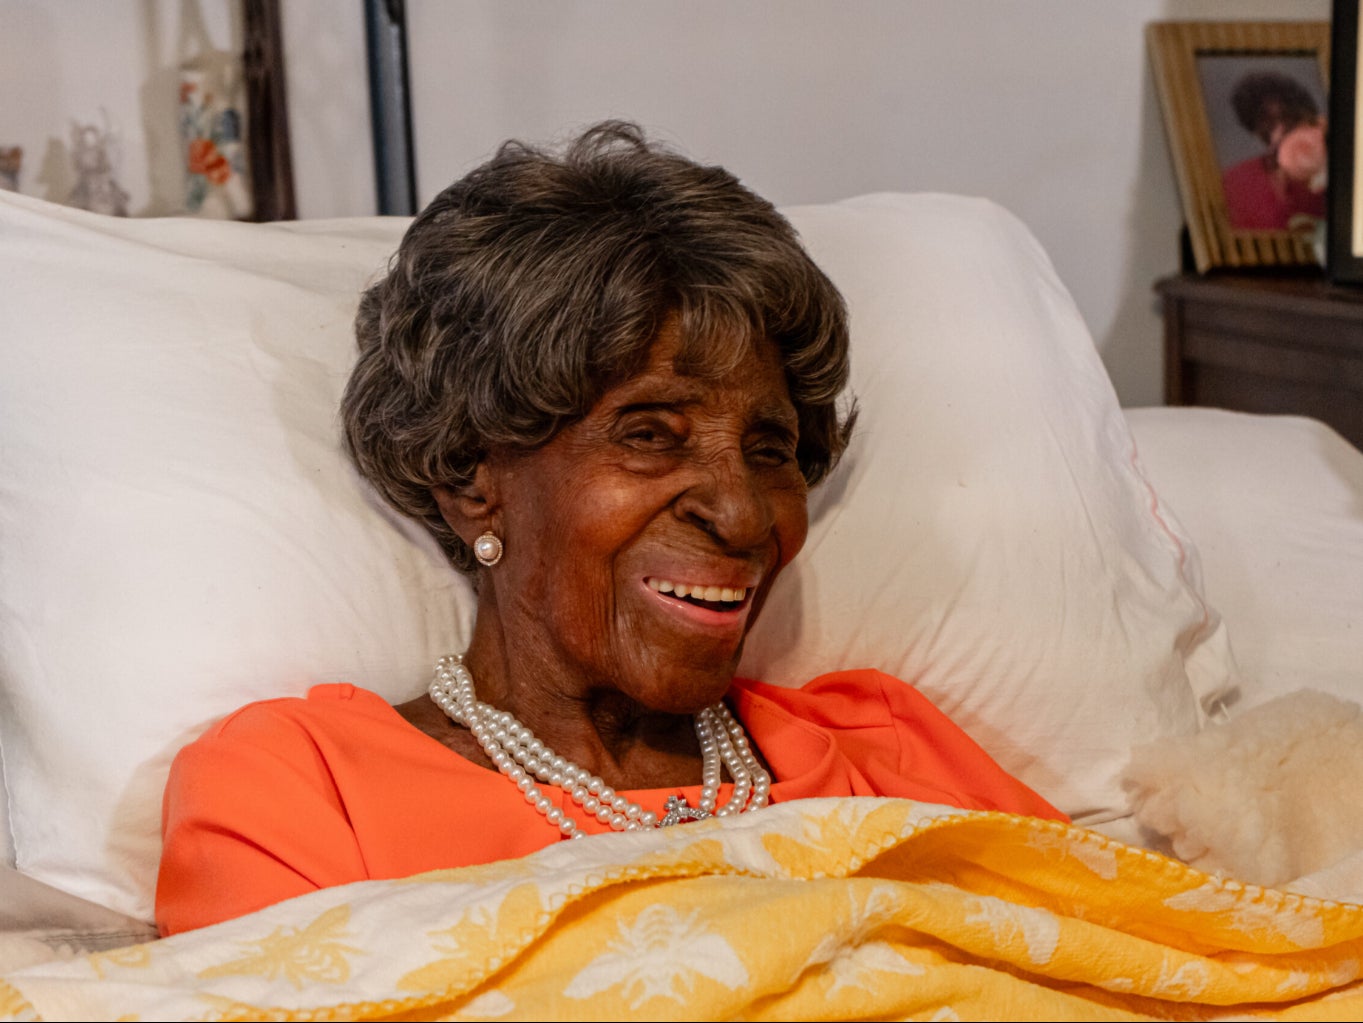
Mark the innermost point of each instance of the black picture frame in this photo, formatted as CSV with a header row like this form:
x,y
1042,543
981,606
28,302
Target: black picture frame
x,y
1344,248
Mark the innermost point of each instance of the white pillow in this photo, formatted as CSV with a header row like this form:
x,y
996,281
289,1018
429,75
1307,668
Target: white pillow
x,y
182,535
988,536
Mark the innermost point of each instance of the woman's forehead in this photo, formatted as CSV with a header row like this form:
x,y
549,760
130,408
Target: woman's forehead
x,y
671,375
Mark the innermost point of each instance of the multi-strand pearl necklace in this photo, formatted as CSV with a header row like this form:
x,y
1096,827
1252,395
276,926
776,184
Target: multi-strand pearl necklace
x,y
514,750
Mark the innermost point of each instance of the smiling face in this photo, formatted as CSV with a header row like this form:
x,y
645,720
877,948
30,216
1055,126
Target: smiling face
x,y
642,540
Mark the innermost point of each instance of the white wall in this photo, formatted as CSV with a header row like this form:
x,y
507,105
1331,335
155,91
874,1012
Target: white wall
x,y
1046,106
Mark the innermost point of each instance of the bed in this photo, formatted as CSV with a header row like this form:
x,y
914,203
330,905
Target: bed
x,y
1072,582
1068,580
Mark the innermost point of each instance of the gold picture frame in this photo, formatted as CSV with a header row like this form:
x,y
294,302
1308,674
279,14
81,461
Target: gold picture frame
x,y
1241,208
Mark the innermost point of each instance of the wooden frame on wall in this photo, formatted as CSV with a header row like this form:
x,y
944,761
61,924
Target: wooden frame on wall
x,y
1345,262
1241,208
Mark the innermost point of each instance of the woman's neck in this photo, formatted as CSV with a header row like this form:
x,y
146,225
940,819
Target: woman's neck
x,y
596,727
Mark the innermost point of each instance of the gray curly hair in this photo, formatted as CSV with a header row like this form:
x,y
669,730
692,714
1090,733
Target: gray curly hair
x,y
530,286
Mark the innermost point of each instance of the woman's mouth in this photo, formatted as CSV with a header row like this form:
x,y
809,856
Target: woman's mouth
x,y
713,598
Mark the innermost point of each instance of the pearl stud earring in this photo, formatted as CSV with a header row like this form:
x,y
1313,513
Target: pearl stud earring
x,y
487,549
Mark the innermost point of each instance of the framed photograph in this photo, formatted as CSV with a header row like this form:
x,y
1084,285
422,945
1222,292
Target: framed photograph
x,y
1246,112
1345,260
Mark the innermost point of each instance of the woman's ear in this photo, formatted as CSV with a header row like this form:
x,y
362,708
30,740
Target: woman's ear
x,y
472,509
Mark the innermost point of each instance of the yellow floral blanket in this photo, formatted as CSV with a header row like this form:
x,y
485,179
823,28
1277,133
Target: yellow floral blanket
x,y
831,908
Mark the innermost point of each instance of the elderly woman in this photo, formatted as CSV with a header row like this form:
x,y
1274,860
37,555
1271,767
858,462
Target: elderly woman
x,y
603,379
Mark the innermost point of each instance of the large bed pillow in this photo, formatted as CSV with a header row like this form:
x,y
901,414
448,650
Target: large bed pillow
x,y
989,536
180,533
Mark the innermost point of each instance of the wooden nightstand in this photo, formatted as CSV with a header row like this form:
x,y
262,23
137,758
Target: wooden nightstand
x,y
1279,344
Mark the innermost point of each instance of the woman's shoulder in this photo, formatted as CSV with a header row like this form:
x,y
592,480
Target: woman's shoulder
x,y
898,739
307,735
319,707
853,697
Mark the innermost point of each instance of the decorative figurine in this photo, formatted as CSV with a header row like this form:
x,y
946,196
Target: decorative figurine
x,y
211,132
96,190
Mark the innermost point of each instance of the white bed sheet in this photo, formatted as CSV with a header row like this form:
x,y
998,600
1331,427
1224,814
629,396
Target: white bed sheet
x,y
1275,505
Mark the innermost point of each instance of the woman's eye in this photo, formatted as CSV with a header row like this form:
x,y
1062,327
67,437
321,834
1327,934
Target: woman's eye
x,y
650,436
773,453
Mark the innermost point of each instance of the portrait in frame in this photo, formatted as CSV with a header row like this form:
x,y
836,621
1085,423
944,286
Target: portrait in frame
x,y
1246,112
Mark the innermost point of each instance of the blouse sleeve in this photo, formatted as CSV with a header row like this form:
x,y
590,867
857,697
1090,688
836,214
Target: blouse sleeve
x,y
250,818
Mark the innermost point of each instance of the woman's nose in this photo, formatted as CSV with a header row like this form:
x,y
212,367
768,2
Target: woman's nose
x,y
728,501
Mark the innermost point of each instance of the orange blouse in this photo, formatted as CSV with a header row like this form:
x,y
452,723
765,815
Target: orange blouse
x,y
287,796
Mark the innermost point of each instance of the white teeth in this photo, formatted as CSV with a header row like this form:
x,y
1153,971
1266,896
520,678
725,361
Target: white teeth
x,y
723,594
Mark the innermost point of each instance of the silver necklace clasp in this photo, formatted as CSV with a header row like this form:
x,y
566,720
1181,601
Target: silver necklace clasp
x,y
677,809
